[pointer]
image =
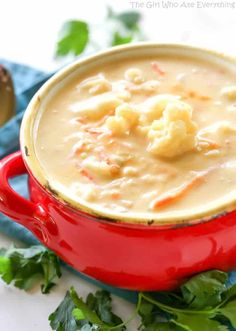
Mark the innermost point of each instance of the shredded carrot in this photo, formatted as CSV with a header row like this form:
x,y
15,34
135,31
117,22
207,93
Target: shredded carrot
x,y
192,94
81,120
86,174
81,148
93,131
157,69
97,131
204,97
114,169
211,144
178,193
115,196
195,95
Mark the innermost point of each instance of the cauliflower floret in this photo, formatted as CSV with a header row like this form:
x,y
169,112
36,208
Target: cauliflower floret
x,y
127,112
101,168
229,92
175,133
134,75
126,117
96,84
98,106
118,125
153,108
124,95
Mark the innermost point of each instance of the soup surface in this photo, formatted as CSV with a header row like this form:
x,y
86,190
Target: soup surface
x,y
149,135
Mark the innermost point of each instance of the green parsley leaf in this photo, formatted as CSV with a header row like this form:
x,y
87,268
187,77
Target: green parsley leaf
x,y
119,39
152,316
101,302
73,314
230,293
229,311
205,290
129,27
196,323
75,37
90,315
78,314
199,308
25,266
62,318
130,19
5,269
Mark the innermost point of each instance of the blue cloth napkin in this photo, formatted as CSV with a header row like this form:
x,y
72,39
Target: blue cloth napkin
x,y
27,81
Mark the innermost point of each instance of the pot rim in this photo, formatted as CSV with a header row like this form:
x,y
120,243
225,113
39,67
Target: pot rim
x,y
196,215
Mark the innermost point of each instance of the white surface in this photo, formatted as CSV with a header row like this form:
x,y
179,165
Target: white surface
x,y
28,32
21,311
28,29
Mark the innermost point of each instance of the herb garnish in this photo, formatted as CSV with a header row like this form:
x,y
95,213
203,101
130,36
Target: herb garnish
x,y
203,303
77,35
74,38
127,28
95,313
24,267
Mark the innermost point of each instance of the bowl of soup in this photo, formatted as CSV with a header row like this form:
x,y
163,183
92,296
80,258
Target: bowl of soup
x,y
131,158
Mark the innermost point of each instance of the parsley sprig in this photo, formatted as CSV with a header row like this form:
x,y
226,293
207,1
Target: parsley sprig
x,y
95,313
203,303
127,27
76,35
24,267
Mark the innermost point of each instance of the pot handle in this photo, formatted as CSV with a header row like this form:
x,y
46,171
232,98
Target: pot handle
x,y
25,212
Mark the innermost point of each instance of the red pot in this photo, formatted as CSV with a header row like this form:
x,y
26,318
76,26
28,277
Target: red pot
x,y
133,256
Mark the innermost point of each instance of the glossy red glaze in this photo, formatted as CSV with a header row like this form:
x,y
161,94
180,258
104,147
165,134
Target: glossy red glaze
x,y
136,257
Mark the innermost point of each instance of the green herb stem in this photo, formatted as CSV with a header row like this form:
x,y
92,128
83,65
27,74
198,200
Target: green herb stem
x,y
173,310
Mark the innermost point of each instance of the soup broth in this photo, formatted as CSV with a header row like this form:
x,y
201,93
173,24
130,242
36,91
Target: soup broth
x,y
151,135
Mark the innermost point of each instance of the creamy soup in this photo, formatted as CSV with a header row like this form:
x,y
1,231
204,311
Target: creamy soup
x,y
149,135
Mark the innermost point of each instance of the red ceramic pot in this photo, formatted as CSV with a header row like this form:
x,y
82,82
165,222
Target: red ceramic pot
x,y
128,255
